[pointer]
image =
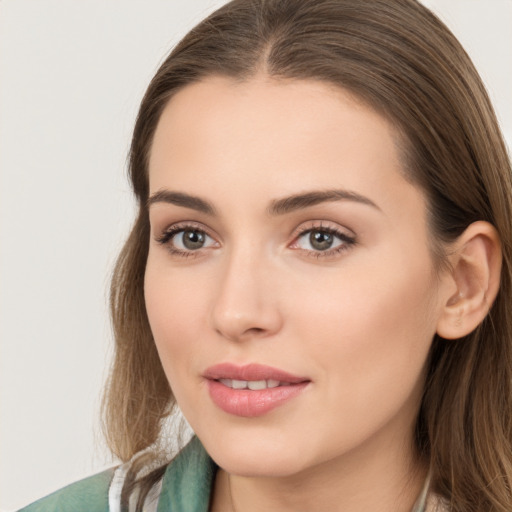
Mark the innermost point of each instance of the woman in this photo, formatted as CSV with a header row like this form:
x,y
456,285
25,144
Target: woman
x,y
319,274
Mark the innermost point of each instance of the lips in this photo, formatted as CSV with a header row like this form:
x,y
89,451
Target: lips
x,y
251,390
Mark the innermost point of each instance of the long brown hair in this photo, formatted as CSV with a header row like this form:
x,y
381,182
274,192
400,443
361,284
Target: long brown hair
x,y
401,60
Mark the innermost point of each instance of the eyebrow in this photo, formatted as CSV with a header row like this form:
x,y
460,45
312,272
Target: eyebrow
x,y
305,200
182,199
276,207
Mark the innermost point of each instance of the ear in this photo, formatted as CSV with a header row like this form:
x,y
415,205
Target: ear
x,y
475,276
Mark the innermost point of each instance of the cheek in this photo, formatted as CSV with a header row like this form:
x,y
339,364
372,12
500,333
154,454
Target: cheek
x,y
375,326
367,336
174,307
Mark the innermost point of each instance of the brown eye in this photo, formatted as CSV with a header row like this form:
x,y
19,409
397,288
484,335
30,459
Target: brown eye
x,y
191,239
186,240
321,240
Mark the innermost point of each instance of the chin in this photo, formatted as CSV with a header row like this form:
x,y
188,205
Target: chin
x,y
259,458
260,467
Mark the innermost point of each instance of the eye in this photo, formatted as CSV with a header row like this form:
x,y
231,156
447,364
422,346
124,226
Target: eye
x,y
190,239
318,240
323,241
185,240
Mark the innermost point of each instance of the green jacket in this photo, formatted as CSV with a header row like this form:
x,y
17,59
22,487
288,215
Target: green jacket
x,y
186,487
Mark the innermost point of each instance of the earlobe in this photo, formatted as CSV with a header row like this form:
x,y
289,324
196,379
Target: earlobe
x,y
475,273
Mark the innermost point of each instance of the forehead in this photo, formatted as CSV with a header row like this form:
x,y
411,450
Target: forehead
x,y
275,137
267,111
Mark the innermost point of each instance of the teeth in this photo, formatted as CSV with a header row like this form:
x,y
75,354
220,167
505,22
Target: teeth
x,y
257,384
253,385
239,384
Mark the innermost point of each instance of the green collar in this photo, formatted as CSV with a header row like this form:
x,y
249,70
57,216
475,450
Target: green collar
x,y
188,480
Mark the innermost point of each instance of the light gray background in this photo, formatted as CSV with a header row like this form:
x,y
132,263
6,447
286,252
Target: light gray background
x,y
71,76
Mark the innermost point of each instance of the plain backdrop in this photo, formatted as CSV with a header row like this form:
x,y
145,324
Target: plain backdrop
x,y
72,73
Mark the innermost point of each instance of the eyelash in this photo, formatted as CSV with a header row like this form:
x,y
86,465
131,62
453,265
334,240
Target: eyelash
x,y
169,233
347,241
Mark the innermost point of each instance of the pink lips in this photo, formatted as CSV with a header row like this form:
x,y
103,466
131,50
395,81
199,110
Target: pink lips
x,y
249,402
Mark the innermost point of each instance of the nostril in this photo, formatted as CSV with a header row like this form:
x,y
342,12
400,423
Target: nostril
x,y
239,335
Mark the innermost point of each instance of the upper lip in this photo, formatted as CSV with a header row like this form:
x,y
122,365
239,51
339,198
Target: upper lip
x,y
251,372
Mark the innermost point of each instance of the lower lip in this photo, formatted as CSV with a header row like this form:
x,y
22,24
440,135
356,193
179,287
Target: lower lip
x,y
249,403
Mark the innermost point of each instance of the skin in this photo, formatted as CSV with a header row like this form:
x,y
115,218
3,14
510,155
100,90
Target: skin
x,y
358,324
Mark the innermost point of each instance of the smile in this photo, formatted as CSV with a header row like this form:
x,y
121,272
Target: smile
x,y
255,385
251,390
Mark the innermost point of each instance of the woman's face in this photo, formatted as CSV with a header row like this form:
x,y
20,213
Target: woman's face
x,y
289,283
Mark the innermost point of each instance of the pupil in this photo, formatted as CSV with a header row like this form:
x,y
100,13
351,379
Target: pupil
x,y
320,240
193,239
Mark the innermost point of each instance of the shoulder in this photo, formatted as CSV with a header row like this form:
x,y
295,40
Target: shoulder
x,y
186,485
87,495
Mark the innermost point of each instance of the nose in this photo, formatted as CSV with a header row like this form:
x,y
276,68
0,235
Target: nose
x,y
245,305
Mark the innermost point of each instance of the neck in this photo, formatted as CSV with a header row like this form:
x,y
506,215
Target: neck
x,y
355,482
